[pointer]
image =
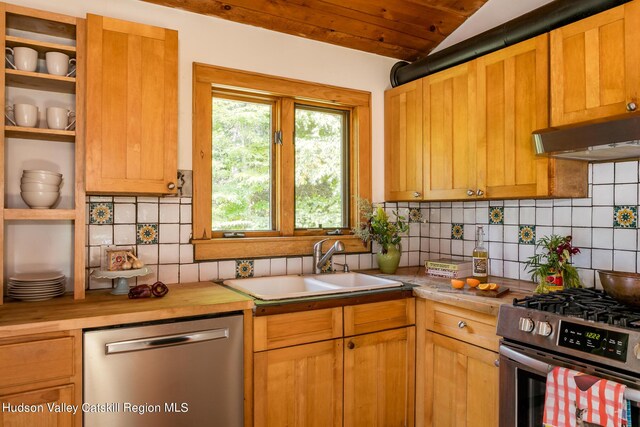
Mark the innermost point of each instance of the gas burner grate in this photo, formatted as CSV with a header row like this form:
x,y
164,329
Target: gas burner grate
x,y
587,304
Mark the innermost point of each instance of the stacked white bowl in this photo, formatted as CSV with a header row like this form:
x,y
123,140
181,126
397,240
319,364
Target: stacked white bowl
x,y
40,189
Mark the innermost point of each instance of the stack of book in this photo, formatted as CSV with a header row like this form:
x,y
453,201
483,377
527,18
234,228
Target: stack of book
x,y
446,267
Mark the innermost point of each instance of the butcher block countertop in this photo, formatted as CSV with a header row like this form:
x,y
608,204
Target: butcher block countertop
x,y
433,288
100,308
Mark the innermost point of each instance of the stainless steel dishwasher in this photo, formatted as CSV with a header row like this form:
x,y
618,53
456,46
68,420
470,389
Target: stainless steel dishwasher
x,y
181,373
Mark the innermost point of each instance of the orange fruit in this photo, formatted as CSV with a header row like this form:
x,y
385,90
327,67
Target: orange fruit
x,y
484,286
457,284
473,282
493,286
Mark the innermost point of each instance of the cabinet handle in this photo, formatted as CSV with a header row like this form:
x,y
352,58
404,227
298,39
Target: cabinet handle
x,y
416,194
351,345
631,106
171,186
470,192
480,193
462,324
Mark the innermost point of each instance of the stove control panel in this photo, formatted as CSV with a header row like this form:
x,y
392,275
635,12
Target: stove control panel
x,y
594,340
526,324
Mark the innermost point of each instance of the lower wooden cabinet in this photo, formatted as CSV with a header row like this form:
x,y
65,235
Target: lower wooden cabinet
x,y
461,384
39,404
379,377
299,385
311,368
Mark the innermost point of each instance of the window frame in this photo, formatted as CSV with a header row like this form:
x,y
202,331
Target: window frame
x,y
285,240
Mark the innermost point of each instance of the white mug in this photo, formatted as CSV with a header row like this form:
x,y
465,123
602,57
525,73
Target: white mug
x,y
26,115
58,63
60,118
24,58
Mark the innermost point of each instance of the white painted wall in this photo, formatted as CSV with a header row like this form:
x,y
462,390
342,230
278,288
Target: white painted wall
x,y
219,42
492,14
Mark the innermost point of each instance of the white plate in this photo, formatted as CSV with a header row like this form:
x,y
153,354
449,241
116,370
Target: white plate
x,y
39,289
36,294
33,284
36,298
37,277
51,291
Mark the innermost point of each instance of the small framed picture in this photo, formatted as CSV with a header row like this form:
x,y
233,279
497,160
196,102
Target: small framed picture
x,y
114,257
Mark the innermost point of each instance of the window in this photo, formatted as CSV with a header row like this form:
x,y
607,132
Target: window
x,y
278,162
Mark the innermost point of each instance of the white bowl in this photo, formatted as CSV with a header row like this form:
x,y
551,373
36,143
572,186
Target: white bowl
x,y
38,171
42,179
40,199
37,186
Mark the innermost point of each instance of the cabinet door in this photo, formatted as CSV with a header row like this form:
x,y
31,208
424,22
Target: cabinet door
x,y
403,142
299,385
132,85
513,86
449,133
379,378
595,66
40,399
461,384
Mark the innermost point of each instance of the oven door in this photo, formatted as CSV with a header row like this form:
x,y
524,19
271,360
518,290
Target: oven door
x,y
523,377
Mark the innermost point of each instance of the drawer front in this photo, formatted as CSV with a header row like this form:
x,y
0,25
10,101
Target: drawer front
x,y
36,361
284,330
378,316
466,325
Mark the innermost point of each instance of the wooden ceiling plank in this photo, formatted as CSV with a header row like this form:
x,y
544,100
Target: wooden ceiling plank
x,y
421,31
464,8
293,11
437,21
227,11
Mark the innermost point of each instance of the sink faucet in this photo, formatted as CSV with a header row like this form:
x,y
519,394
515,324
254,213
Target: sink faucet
x,y
318,259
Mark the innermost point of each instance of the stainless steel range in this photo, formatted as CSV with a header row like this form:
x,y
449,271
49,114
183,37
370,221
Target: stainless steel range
x,y
581,329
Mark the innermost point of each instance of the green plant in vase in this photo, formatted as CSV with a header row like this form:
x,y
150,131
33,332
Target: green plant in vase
x,y
551,266
376,227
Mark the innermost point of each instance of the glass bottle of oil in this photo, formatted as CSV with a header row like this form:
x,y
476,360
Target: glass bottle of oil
x,y
480,257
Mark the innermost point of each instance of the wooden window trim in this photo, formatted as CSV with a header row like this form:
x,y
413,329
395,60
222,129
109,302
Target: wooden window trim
x,y
289,241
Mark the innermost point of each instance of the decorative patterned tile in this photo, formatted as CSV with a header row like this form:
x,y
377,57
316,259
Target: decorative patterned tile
x,y
328,266
496,215
244,268
457,231
147,234
101,213
415,215
527,234
625,216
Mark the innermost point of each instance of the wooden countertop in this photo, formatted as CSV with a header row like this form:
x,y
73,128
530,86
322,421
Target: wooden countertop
x,y
428,287
100,308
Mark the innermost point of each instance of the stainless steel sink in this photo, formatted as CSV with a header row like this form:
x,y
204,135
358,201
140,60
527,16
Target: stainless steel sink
x,y
284,287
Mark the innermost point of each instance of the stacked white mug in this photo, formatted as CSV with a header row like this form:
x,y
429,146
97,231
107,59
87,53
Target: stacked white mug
x,y
40,189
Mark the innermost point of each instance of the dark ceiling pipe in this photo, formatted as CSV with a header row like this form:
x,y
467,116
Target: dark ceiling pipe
x,y
539,21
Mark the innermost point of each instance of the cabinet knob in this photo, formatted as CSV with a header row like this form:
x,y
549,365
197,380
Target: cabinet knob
x,y
470,192
479,193
416,194
171,185
496,363
632,106
351,345
462,324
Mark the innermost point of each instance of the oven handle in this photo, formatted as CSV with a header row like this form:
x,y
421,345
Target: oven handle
x,y
544,368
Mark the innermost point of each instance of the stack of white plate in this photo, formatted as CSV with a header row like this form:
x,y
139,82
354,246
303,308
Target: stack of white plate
x,y
36,286
40,189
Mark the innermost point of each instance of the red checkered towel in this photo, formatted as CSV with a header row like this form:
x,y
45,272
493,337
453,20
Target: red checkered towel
x,y
573,399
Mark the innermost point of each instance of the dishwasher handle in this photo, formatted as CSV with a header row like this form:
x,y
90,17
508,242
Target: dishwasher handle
x,y
166,341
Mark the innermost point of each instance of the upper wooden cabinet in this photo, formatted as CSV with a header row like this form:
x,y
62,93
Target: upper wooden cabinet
x,y
132,86
449,142
403,142
595,66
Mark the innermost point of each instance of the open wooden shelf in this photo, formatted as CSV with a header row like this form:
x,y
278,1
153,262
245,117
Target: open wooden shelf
x,y
40,46
40,214
40,81
40,134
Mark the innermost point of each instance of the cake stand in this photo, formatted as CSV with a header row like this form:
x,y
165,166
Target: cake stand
x,y
122,286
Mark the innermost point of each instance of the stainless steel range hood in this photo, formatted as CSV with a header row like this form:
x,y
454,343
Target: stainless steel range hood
x,y
613,139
